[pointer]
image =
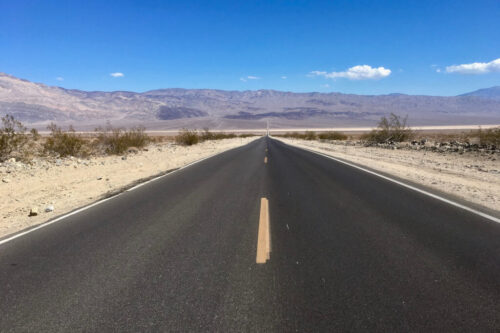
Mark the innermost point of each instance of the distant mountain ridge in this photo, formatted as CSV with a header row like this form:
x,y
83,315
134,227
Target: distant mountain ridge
x,y
493,93
36,103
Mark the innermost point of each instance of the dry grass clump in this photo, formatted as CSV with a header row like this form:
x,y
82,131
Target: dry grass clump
x,y
116,141
392,129
65,143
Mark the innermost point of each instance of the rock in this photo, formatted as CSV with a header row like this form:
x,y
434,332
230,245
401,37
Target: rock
x,y
124,158
58,162
133,150
11,160
6,180
33,211
99,178
49,209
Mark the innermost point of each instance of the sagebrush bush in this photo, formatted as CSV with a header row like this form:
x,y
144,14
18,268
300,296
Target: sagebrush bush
x,y
308,135
332,136
392,129
12,137
64,143
490,136
114,140
187,137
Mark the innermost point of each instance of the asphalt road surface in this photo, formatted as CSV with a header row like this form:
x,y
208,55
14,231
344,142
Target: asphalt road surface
x,y
349,252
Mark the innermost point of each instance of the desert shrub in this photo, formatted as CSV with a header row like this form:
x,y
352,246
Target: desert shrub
x,y
34,134
116,140
310,135
64,143
187,137
222,135
490,136
12,136
392,129
332,136
207,135
246,135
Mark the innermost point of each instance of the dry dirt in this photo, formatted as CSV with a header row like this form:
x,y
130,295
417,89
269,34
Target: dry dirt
x,y
473,176
67,184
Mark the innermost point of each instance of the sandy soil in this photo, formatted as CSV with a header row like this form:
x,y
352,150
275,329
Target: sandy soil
x,y
472,176
67,184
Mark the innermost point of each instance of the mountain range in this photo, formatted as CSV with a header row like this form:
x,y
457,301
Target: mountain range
x,y
37,104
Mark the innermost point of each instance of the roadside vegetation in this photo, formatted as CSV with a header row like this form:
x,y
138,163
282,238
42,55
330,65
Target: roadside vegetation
x,y
188,137
115,140
13,138
390,129
311,135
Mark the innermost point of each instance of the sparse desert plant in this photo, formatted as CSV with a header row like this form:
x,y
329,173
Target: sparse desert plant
x,y
310,135
490,136
64,143
34,134
207,135
246,135
392,129
12,136
332,136
187,137
115,140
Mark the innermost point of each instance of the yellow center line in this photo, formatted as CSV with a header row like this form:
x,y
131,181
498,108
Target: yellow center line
x,y
264,237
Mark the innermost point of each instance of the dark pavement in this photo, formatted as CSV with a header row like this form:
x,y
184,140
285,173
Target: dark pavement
x,y
350,252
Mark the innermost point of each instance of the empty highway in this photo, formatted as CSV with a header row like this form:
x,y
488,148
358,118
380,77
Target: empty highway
x,y
262,238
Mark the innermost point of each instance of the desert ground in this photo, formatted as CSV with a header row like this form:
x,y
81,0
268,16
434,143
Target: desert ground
x,y
54,187
471,176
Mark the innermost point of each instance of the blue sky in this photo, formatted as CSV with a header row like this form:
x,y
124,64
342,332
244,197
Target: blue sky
x,y
239,45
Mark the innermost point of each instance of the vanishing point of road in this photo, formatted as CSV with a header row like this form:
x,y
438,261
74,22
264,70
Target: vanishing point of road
x,y
261,238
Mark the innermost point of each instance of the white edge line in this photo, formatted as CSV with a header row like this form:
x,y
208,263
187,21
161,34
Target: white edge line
x,y
45,224
432,195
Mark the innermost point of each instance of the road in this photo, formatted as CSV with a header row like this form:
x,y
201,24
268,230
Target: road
x,y
349,252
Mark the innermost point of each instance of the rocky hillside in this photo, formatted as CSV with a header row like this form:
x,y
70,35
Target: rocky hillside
x,y
35,103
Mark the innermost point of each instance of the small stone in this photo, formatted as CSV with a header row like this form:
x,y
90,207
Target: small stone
x,y
133,150
33,211
6,180
49,209
58,162
124,158
99,178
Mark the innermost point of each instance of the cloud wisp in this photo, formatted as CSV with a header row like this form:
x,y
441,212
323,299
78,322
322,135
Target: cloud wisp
x,y
117,74
475,67
283,77
59,78
249,77
360,72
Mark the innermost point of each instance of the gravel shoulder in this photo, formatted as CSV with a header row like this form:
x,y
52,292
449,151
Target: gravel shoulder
x,y
56,187
472,176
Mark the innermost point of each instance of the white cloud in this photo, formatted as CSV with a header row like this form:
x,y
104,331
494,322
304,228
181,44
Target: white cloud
x,y
249,77
59,78
475,67
117,74
360,72
284,77
325,85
